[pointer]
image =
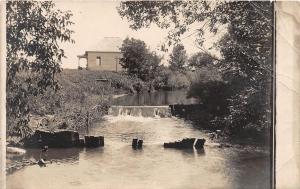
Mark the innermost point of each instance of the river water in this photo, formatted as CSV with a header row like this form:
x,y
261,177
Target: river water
x,y
117,165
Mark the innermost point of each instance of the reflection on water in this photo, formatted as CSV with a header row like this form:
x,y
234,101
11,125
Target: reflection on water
x,y
157,98
55,155
117,165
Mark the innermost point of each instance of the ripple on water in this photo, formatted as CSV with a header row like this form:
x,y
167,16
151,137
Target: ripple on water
x,y
117,165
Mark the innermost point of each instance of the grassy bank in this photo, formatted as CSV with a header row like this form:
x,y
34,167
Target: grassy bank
x,y
86,93
81,92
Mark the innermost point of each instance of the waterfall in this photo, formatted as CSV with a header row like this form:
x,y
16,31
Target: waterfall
x,y
140,111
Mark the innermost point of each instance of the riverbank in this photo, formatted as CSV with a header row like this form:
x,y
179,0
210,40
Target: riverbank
x,y
82,94
201,117
85,95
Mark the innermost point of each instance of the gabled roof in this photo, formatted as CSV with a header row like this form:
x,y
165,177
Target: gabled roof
x,y
108,44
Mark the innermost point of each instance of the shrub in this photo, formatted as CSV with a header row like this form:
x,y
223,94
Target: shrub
x,y
177,81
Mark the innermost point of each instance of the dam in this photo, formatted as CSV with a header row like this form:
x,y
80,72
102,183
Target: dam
x,y
140,111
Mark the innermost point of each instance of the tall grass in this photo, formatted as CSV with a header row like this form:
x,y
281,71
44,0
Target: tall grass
x,y
81,92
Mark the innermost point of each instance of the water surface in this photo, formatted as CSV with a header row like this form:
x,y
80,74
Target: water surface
x,y
117,165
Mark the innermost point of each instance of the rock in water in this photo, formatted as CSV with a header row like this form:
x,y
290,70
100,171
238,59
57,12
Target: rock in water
x,y
41,163
140,144
183,144
94,141
199,143
66,138
134,143
57,139
80,143
187,143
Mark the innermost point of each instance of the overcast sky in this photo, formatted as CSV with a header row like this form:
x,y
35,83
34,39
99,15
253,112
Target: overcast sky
x,y
95,20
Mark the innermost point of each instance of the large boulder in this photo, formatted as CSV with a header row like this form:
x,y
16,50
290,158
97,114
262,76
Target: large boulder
x,y
199,143
183,144
137,143
186,143
94,141
134,143
56,139
66,138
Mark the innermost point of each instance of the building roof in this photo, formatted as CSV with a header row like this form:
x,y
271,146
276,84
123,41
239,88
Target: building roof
x,y
108,44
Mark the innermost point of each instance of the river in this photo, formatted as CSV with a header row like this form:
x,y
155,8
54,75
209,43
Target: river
x,y
117,165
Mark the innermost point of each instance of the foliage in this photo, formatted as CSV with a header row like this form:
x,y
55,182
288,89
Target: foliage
x,y
201,59
138,60
161,79
80,93
247,64
168,79
208,85
213,94
246,49
34,31
178,58
205,74
176,16
177,81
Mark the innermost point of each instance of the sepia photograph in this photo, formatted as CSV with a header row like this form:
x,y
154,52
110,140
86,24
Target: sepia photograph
x,y
141,94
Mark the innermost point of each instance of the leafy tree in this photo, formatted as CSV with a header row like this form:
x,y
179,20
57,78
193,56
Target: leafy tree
x,y
138,60
178,58
201,59
246,48
247,64
34,31
177,80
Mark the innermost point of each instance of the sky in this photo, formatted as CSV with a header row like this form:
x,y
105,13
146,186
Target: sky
x,y
95,20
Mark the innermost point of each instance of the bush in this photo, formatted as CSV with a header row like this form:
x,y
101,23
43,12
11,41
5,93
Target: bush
x,y
171,80
177,81
80,92
160,81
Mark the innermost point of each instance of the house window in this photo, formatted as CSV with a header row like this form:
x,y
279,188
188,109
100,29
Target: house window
x,y
98,61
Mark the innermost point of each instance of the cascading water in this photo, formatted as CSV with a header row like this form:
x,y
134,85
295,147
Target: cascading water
x,y
140,111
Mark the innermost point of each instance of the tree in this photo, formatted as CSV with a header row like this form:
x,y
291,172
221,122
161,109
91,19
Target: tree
x,y
34,31
138,60
201,59
247,64
246,48
178,58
